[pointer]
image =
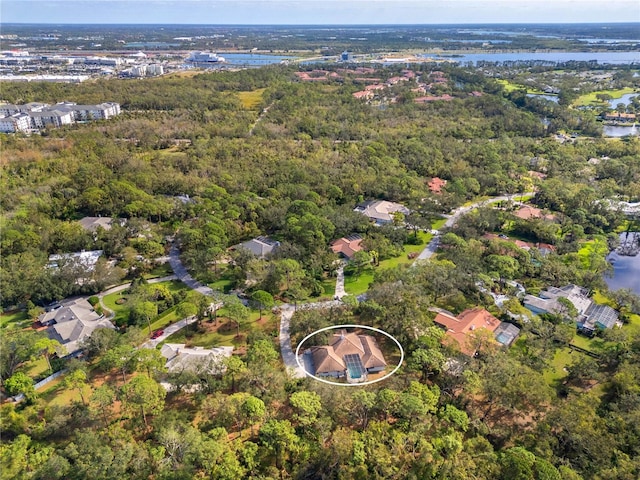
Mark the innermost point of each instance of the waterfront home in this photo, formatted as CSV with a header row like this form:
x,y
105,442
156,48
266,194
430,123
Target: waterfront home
x,y
589,315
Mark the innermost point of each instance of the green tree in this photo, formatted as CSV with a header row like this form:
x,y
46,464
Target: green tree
x,y
143,395
262,300
253,410
77,379
151,361
18,383
101,402
143,312
234,369
123,357
280,438
237,313
47,347
307,406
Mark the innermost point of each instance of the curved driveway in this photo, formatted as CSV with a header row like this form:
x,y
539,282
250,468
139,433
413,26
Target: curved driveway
x,y
432,246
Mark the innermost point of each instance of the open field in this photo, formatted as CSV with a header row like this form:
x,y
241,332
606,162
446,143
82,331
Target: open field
x,y
510,87
251,100
590,98
17,319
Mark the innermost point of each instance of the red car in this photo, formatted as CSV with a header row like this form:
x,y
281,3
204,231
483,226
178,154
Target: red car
x,y
157,333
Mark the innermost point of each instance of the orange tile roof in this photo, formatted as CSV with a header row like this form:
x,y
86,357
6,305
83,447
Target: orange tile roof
x,y
436,184
347,247
459,327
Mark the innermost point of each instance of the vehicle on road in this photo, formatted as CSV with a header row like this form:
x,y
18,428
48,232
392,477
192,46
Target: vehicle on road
x,y
157,334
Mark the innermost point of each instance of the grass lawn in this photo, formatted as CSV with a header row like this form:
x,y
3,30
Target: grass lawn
x,y
222,285
174,285
597,247
562,358
438,224
590,98
251,100
159,271
14,320
227,336
510,87
329,285
582,342
37,368
356,286
167,317
121,311
55,394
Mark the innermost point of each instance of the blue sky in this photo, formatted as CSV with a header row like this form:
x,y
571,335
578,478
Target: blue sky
x,y
247,12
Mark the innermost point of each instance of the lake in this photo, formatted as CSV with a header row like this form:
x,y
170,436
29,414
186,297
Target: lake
x,y
246,60
625,99
618,131
626,271
618,58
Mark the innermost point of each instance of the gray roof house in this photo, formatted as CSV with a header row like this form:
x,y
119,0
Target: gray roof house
x,y
195,359
72,321
591,316
381,211
259,246
92,223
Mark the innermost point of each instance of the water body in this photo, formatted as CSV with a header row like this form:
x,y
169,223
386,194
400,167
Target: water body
x,y
616,58
620,131
626,99
626,270
246,60
551,98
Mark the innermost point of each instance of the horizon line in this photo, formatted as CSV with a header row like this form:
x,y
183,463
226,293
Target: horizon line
x,y
325,24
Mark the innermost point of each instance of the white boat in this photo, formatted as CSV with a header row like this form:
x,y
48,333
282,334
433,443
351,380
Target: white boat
x,y
205,57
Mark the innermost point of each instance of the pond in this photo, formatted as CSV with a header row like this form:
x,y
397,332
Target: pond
x,y
551,98
620,131
626,269
624,99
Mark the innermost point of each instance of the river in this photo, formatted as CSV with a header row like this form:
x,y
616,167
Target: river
x,y
617,58
626,271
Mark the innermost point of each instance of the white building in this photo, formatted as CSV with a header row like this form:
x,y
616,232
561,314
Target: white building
x,y
155,69
50,118
18,122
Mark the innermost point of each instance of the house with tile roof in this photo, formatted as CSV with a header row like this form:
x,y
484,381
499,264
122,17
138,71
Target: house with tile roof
x,y
381,212
458,329
436,184
349,356
72,321
347,246
527,212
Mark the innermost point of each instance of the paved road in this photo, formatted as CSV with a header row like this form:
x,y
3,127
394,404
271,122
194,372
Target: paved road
x,y
340,292
183,275
432,246
287,350
170,330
